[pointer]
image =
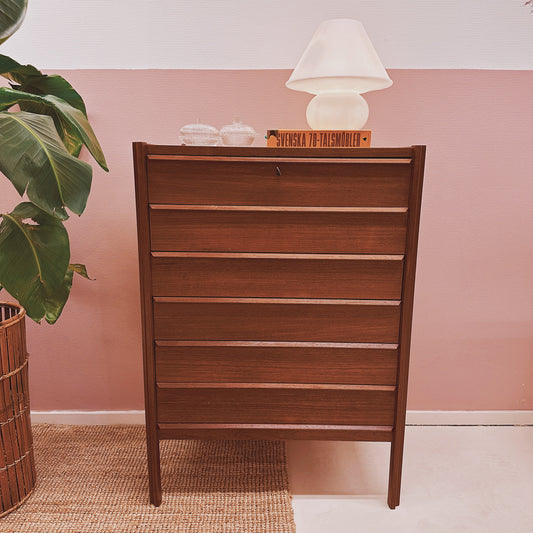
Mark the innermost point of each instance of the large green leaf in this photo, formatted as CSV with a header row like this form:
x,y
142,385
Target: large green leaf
x,y
34,81
34,261
56,299
55,85
12,13
33,157
68,135
14,71
71,121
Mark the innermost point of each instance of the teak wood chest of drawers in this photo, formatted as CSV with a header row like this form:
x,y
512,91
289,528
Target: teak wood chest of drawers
x,y
277,293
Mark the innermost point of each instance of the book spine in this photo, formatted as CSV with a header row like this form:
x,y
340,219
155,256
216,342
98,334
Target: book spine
x,y
318,138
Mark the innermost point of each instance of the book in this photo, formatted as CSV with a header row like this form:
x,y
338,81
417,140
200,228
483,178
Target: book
x,y
318,138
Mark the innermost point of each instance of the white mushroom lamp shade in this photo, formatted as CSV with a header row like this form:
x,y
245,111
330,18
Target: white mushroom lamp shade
x,y
338,65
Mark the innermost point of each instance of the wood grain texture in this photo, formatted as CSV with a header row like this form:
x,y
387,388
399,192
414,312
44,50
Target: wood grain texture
x,y
17,466
277,276
143,240
276,320
255,181
280,292
228,405
284,231
272,362
399,154
276,431
415,204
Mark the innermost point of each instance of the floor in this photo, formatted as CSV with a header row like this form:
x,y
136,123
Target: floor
x,y
455,479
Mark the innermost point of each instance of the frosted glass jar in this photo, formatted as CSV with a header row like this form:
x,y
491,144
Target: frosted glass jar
x,y
237,134
200,135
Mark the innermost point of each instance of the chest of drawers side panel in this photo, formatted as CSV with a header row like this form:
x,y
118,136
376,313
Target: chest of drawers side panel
x,y
406,317
143,235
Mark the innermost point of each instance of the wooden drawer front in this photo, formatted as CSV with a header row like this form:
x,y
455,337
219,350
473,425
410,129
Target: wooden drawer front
x,y
247,181
276,320
277,276
248,405
275,362
286,231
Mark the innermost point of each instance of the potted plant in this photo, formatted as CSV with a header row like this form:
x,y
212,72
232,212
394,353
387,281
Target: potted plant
x,y
43,127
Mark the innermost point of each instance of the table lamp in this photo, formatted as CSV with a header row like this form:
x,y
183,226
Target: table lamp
x,y
338,65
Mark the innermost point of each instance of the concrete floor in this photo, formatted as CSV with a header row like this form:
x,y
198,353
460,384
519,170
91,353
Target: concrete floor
x,y
455,479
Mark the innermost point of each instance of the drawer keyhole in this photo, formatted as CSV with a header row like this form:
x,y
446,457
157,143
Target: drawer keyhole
x,y
278,171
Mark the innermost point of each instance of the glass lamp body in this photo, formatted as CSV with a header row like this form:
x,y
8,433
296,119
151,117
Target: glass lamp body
x,y
337,110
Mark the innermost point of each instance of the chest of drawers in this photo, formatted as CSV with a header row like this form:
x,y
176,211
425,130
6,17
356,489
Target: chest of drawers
x,y
277,293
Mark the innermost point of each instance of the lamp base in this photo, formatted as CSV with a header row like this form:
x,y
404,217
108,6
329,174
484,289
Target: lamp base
x,y
337,110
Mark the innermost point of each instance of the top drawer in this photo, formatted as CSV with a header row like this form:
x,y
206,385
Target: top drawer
x,y
283,181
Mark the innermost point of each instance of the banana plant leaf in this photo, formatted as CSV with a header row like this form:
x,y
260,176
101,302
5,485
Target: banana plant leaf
x,y
12,13
35,160
39,146
31,80
80,269
72,123
57,299
68,135
54,85
34,261
14,71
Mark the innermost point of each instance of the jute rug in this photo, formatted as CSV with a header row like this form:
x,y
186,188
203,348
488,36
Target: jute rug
x,y
94,479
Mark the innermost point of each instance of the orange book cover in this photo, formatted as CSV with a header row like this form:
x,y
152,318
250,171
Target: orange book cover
x,y
318,138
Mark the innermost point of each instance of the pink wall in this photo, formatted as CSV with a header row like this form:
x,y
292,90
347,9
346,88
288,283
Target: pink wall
x,y
472,342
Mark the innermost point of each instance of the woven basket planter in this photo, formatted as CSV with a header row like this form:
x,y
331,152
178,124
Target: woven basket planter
x,y
17,464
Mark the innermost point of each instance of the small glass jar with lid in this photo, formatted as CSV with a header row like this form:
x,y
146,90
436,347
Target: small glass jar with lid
x,y
200,134
237,134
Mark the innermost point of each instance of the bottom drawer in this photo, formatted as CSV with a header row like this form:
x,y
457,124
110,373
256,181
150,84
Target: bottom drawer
x,y
275,404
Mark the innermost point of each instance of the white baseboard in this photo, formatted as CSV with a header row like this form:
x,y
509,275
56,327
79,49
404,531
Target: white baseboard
x,y
87,418
469,418
414,418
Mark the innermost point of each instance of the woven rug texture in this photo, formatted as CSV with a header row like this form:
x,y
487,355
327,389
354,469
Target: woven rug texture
x,y
94,479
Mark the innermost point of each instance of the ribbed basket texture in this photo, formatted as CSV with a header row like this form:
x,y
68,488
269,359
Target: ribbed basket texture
x,y
17,464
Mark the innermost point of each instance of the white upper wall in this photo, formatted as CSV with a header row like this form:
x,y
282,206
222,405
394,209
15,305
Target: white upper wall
x,y
268,34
